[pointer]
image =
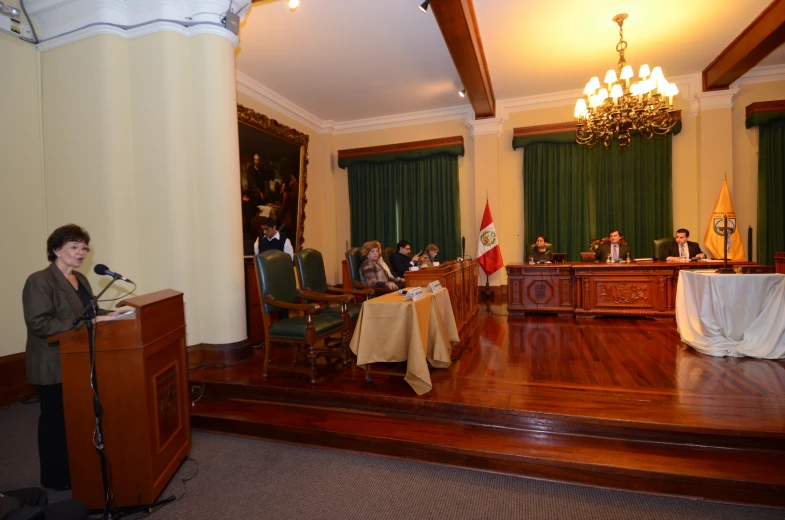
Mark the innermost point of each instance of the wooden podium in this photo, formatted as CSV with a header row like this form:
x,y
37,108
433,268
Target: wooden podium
x,y
141,369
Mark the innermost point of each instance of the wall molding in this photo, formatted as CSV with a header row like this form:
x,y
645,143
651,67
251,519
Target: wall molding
x,y
762,107
761,75
488,126
13,379
400,147
553,128
718,99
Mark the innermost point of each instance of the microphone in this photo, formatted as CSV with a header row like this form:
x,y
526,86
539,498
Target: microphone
x,y
103,270
463,247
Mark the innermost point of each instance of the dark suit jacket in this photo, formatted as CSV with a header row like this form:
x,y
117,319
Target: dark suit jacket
x,y
605,249
399,264
50,306
672,249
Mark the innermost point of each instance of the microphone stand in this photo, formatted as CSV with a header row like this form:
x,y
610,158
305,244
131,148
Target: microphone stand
x,y
725,269
88,314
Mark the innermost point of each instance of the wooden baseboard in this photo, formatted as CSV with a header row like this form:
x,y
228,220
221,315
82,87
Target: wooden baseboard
x,y
13,379
205,355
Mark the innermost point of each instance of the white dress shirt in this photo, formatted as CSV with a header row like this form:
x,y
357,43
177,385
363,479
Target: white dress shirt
x,y
287,246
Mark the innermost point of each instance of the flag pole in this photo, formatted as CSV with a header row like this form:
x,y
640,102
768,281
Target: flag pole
x,y
725,269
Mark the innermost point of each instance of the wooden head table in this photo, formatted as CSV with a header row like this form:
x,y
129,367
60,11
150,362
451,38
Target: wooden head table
x,y
460,280
587,289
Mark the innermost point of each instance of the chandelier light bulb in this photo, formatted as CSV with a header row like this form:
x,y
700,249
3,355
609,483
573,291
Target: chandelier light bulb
x,y
588,91
580,108
610,76
644,72
616,92
656,74
294,4
595,83
626,73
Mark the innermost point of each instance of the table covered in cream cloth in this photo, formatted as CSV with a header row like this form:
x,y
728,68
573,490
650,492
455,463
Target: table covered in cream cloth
x,y
732,315
390,329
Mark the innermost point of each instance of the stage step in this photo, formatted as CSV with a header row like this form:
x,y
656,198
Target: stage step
x,y
583,412
741,474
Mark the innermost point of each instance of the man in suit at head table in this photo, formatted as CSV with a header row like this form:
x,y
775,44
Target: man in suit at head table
x,y
681,248
617,251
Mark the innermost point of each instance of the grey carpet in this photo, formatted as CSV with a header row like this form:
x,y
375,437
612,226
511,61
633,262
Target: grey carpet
x,y
245,478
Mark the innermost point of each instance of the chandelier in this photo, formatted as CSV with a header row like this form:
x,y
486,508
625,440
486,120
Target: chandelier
x,y
615,110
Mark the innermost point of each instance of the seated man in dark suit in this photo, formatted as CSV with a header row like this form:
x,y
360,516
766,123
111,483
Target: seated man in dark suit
x,y
32,503
681,248
400,261
617,250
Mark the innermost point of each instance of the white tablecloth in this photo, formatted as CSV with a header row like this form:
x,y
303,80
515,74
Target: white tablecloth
x,y
732,314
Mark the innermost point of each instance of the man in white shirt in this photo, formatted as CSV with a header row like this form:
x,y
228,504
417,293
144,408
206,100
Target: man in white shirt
x,y
272,239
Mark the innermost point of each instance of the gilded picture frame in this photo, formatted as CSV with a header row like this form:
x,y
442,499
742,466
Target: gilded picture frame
x,y
273,175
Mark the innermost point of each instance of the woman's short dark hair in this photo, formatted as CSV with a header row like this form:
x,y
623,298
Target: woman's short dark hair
x,y
542,237
62,235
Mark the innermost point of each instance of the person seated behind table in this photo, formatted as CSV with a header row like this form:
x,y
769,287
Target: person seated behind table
x,y
538,252
374,272
400,261
682,247
26,503
614,248
429,258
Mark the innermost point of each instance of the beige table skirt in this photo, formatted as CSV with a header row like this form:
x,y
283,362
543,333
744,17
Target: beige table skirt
x,y
391,330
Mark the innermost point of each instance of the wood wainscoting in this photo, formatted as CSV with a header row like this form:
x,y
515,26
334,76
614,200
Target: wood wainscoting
x,y
13,379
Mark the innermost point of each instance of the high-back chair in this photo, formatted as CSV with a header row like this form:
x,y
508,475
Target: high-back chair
x,y
310,270
278,294
659,245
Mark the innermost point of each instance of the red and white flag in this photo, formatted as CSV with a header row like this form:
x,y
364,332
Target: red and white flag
x,y
489,254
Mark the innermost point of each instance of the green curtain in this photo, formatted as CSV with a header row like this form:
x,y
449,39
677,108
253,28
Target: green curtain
x,y
557,199
573,193
415,200
771,191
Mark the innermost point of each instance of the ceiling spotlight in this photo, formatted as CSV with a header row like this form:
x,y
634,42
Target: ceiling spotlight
x,y
462,92
424,6
294,4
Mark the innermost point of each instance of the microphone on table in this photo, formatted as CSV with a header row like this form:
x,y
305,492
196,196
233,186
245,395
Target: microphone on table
x,y
103,270
463,247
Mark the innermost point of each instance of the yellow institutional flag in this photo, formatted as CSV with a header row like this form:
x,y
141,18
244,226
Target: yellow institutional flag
x,y
715,237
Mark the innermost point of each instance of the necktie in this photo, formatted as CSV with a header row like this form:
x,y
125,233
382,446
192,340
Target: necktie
x,y
683,248
615,252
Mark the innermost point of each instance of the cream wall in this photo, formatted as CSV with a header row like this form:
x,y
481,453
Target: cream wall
x,y
744,189
22,200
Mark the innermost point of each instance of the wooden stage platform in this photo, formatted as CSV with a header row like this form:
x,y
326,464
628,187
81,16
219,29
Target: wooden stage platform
x,y
610,402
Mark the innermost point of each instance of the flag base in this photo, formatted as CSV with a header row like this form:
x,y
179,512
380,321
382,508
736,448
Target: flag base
x,y
725,270
487,293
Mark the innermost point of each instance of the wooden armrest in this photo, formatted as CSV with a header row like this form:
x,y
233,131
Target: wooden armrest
x,y
363,291
310,308
358,285
313,295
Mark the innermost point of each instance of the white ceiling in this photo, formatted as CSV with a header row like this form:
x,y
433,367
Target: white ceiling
x,y
344,60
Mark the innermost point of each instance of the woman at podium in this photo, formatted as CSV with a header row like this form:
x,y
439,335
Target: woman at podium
x,y
52,299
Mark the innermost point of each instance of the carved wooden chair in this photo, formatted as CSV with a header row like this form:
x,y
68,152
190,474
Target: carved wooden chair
x,y
279,294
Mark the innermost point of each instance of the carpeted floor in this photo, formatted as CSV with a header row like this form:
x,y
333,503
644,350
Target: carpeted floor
x,y
244,478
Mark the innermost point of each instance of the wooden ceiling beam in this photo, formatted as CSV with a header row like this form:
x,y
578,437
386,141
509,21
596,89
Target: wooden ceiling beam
x,y
758,40
458,25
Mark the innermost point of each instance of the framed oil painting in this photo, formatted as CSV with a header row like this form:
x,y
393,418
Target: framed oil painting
x,y
273,175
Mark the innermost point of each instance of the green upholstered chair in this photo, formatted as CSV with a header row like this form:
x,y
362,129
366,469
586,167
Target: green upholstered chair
x,y
310,270
279,295
387,254
658,246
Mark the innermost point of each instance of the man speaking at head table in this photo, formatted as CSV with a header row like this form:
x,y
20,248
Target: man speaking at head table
x,y
618,252
681,248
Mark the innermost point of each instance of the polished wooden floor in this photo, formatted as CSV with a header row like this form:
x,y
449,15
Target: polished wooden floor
x,y
619,403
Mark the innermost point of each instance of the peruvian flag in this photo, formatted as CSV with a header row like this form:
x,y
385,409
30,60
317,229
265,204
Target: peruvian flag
x,y
489,255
